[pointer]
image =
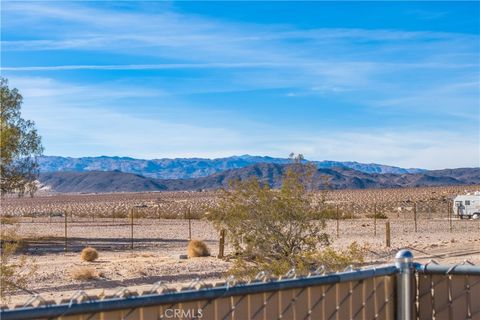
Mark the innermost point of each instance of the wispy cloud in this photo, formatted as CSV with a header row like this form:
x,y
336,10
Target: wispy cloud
x,y
206,39
104,130
396,146
66,93
323,60
62,119
145,66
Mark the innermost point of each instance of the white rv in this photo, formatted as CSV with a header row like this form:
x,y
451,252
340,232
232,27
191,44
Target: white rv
x,y
467,206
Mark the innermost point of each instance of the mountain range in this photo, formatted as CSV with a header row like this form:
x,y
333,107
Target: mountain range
x,y
271,173
187,168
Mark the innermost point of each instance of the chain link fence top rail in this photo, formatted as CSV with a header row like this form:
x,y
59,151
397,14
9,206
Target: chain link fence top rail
x,y
406,290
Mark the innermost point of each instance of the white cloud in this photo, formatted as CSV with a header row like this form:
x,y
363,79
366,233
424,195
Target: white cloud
x,y
146,66
459,100
70,128
394,146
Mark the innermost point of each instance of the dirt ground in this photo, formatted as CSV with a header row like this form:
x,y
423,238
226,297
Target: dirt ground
x,y
158,244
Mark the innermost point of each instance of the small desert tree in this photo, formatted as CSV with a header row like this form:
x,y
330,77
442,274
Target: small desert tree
x,y
273,230
20,145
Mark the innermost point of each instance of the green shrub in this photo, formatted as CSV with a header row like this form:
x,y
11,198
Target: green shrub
x,y
272,230
277,230
337,260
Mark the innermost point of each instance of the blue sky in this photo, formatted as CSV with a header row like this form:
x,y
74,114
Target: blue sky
x,y
386,82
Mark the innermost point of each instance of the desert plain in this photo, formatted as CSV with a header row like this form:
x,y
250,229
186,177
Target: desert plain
x,y
161,232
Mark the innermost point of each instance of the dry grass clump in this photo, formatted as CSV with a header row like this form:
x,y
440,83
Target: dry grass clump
x,y
197,248
7,219
84,273
15,272
378,215
331,213
89,254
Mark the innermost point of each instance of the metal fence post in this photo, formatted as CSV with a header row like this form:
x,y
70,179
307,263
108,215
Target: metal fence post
x,y
415,215
189,223
131,228
405,285
221,247
337,216
450,213
66,234
387,234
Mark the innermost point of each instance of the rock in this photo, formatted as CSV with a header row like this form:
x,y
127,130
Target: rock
x,y
182,257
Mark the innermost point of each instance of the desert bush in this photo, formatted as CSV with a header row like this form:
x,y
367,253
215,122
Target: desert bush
x,y
272,230
84,273
331,213
89,254
197,248
335,260
14,273
378,215
7,219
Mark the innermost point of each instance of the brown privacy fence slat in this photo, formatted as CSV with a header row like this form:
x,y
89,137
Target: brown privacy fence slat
x,y
335,301
448,296
403,291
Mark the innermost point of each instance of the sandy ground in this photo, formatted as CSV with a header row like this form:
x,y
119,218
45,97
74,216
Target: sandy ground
x,y
158,244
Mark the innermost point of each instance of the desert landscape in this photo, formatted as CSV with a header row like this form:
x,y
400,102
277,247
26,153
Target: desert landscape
x,y
162,230
249,159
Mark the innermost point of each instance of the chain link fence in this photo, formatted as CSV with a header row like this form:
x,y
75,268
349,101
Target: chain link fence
x,y
405,291
452,293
